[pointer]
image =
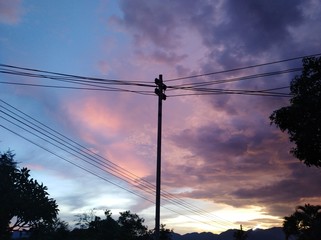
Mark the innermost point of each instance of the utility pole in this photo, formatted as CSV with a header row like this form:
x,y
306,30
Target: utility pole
x,y
160,91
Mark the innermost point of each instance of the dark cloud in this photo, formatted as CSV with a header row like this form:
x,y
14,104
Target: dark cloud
x,y
244,161
161,56
151,21
287,193
247,30
257,26
253,168
240,159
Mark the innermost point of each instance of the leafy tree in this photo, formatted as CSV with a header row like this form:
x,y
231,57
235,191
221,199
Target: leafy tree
x,y
290,227
302,119
164,233
304,223
85,219
107,228
128,226
131,226
24,202
58,229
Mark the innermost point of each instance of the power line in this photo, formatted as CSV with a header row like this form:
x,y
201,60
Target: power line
x,y
76,165
94,85
104,89
117,185
120,172
199,88
241,68
236,79
202,91
104,178
215,91
57,75
99,176
99,84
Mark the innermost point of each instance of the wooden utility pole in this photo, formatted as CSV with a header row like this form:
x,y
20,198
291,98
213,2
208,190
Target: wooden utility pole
x,y
160,91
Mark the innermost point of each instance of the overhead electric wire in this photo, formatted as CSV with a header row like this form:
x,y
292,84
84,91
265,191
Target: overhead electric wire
x,y
67,149
79,88
102,85
199,89
72,76
76,150
93,83
212,91
77,165
95,174
241,68
236,79
167,196
103,178
96,84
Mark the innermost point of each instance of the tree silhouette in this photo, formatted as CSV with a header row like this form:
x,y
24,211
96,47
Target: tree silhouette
x,y
290,227
240,234
164,233
131,226
107,228
302,119
58,229
304,223
24,202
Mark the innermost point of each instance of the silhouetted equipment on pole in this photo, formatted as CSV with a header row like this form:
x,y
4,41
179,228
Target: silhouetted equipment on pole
x,y
160,91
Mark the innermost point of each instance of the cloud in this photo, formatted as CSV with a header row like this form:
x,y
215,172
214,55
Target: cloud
x,y
231,35
151,21
281,196
246,31
10,11
241,161
158,56
218,148
111,129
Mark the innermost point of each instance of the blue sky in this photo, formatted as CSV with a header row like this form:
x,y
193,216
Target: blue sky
x,y
220,153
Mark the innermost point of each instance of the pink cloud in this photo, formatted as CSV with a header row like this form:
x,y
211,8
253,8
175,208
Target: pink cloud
x,y
93,116
10,11
127,156
113,133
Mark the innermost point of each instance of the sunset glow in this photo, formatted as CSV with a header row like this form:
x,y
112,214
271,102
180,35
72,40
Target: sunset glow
x,y
223,164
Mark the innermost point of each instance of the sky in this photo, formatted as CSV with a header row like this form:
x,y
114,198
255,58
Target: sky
x,y
223,163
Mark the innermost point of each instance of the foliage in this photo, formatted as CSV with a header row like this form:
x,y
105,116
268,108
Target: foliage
x,y
85,219
58,229
304,223
128,226
302,119
24,202
131,226
104,229
164,233
240,234
25,205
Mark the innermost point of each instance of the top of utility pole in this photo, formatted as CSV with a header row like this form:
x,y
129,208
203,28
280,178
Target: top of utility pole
x,y
160,91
